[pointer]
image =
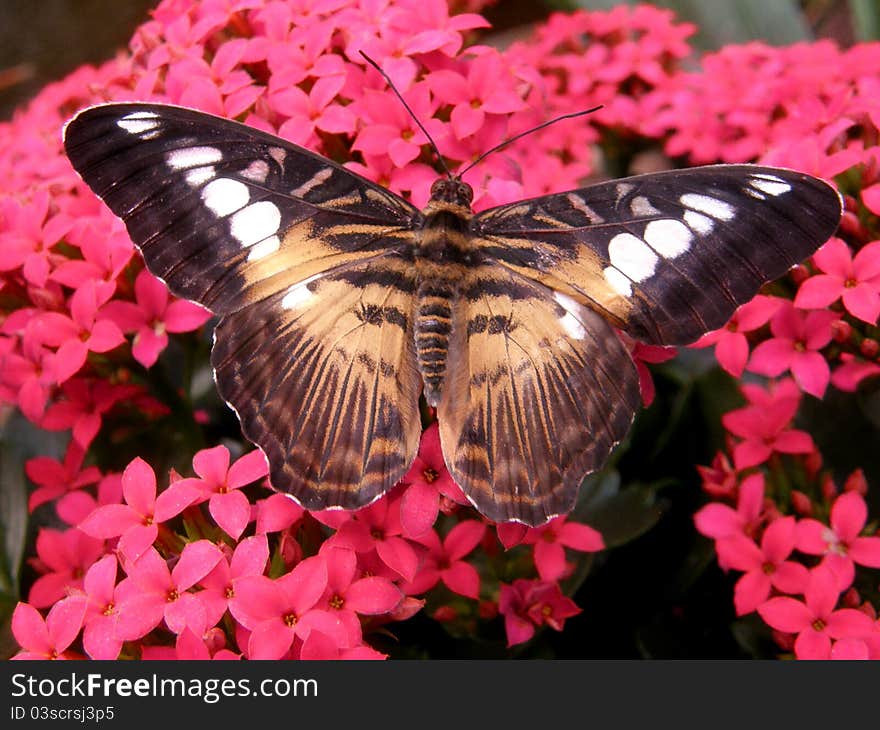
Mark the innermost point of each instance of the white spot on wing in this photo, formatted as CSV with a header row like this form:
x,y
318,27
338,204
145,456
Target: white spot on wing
x,y
770,184
298,294
632,256
668,237
187,157
225,196
570,323
699,222
618,281
641,207
317,179
708,205
255,222
199,175
257,171
137,126
264,248
278,154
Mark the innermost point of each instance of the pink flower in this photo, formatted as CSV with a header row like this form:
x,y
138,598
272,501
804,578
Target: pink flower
x,y
29,235
218,483
855,280
152,593
814,620
391,130
348,595
136,521
249,558
85,402
485,87
65,557
55,479
319,646
377,527
731,343
642,354
277,611
550,542
153,316
187,647
720,521
764,567
312,111
444,561
277,513
764,430
49,638
429,482
83,332
841,543
797,340
100,639
526,604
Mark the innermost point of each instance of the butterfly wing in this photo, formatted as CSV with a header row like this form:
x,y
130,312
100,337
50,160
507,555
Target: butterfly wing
x,y
666,256
323,377
226,214
255,229
538,391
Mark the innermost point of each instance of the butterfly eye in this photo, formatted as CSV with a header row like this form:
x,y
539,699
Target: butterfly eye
x,y
437,187
465,193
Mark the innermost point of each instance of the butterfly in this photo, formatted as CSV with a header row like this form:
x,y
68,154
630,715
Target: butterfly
x,y
340,302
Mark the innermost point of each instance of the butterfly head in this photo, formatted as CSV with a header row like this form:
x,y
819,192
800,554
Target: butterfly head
x,y
452,190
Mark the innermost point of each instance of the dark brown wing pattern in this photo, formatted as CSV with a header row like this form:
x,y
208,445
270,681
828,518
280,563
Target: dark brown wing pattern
x,y
538,391
255,228
323,377
667,256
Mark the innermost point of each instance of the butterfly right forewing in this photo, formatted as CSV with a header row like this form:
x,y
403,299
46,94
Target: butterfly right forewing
x,y
666,256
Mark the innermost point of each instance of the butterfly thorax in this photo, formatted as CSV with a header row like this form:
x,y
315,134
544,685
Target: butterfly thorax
x,y
444,250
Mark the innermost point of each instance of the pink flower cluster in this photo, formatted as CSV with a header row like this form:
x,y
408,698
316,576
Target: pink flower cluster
x,y
209,566
146,564
798,574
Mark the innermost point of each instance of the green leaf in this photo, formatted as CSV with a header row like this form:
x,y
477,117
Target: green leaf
x,y
20,440
720,22
624,516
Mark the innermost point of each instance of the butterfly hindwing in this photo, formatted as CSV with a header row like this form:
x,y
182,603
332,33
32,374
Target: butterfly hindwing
x,y
226,214
667,256
323,378
538,391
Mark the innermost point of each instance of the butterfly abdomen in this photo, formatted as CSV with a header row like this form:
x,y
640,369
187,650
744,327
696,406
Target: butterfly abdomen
x,y
433,325
443,252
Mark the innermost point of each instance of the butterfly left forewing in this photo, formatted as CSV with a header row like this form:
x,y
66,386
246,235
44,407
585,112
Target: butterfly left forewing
x,y
307,265
538,391
226,214
666,256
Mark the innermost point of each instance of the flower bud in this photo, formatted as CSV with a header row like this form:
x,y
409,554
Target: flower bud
x,y
869,348
801,503
841,331
445,614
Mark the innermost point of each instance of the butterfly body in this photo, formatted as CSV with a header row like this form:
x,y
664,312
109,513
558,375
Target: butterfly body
x,y
443,251
340,302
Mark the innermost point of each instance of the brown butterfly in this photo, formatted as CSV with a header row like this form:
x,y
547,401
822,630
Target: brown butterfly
x,y
340,302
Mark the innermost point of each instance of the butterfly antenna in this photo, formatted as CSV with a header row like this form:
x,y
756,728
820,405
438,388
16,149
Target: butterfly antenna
x,y
411,113
523,134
